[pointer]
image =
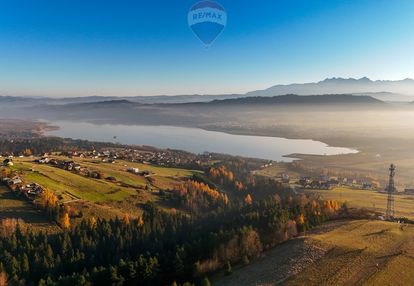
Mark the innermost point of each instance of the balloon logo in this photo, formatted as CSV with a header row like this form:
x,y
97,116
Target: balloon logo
x,y
207,19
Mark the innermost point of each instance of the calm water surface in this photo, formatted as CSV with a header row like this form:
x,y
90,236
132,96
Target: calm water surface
x,y
196,140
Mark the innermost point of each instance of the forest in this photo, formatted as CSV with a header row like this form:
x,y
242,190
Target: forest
x,y
159,248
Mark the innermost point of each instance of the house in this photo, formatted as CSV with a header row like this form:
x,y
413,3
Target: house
x,y
133,170
15,181
285,178
334,182
367,186
70,166
8,162
304,181
43,160
106,160
12,182
32,189
409,191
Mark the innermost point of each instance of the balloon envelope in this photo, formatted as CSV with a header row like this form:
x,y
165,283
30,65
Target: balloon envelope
x,y
207,19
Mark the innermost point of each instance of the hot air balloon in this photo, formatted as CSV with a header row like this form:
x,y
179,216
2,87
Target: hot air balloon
x,y
207,19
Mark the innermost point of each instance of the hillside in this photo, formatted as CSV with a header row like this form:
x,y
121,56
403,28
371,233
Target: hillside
x,y
339,253
104,198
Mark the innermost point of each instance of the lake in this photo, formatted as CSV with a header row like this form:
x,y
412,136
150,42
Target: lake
x,y
196,140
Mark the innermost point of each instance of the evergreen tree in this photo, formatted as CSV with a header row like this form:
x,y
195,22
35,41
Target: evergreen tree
x,y
205,282
229,269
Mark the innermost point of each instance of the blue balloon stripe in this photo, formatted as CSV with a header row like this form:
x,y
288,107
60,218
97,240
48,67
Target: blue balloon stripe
x,y
207,4
207,32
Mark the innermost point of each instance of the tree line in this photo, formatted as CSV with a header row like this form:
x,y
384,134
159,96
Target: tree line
x,y
41,145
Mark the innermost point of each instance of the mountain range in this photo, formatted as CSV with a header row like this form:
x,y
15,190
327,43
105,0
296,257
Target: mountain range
x,y
382,88
385,90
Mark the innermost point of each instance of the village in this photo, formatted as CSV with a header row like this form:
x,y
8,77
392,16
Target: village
x,y
71,162
149,155
166,158
328,183
95,165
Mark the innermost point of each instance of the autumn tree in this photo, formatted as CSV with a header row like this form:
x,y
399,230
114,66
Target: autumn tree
x,y
5,172
126,219
8,226
3,279
248,199
48,200
239,186
27,152
65,221
250,244
92,222
140,221
331,207
300,223
198,196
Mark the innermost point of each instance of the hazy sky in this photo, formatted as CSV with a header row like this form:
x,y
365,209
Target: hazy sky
x,y
88,47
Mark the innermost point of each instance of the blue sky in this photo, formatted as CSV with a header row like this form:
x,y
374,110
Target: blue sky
x,y
127,48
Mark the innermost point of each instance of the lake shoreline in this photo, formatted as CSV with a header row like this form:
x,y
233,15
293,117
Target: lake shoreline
x,y
198,140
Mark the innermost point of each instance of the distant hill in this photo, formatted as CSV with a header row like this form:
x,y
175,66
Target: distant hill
x,y
289,99
127,111
293,99
388,96
104,103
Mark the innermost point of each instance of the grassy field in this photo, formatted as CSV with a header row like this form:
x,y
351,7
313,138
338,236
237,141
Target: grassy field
x,y
277,169
404,204
100,197
337,253
12,207
162,177
363,253
74,186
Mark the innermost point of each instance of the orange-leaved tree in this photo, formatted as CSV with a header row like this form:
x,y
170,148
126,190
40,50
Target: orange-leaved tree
x,y
248,199
65,221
